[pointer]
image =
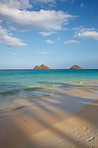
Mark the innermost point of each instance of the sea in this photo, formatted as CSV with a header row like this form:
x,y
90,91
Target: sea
x,y
25,89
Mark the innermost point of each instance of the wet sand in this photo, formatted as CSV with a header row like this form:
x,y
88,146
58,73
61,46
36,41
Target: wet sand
x,y
71,122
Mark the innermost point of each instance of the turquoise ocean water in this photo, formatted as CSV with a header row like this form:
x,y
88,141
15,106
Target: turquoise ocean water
x,y
20,88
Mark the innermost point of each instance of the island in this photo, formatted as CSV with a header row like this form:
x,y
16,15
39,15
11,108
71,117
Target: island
x,y
41,67
76,67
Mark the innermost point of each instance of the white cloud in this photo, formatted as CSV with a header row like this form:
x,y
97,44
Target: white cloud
x,y
71,42
87,33
81,5
7,39
19,4
58,38
44,1
3,23
49,41
13,53
43,19
77,28
44,53
72,1
41,52
46,33
51,1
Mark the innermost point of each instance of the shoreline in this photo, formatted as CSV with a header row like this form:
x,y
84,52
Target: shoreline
x,y
50,95
53,126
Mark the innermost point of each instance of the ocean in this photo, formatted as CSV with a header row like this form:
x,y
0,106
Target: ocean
x,y
22,88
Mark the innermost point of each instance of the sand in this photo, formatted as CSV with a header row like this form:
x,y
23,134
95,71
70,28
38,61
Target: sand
x,y
57,126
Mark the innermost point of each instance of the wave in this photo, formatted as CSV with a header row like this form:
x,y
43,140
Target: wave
x,y
13,91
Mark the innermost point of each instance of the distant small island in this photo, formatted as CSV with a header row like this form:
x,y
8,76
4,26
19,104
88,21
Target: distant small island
x,y
76,67
41,67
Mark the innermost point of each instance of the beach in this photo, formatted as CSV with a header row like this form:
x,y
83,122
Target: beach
x,y
48,74
54,125
57,116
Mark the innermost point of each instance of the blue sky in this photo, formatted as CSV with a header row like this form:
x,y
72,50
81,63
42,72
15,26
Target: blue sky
x,y
57,33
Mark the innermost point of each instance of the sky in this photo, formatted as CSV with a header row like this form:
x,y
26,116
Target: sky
x,y
57,33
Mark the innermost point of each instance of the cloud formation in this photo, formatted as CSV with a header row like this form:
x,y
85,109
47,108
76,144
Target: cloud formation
x,y
39,20
13,53
7,39
44,1
58,38
42,52
71,42
50,2
82,5
46,33
87,33
18,4
49,41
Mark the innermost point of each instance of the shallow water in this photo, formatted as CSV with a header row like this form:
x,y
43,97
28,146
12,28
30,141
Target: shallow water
x,y
22,88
